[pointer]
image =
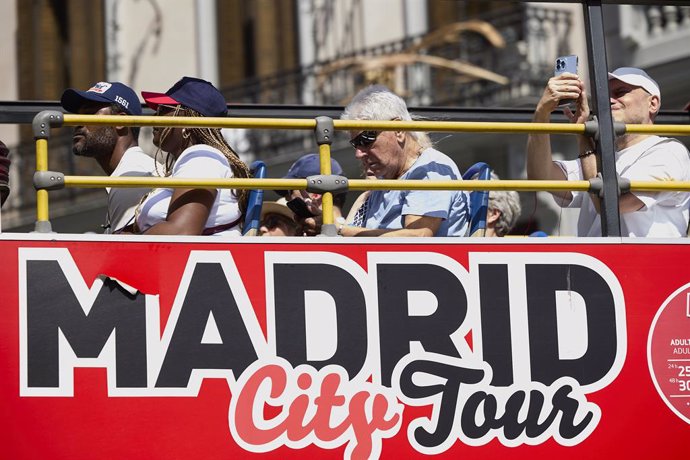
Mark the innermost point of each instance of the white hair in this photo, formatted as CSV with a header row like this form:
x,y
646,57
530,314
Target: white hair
x,y
377,102
507,203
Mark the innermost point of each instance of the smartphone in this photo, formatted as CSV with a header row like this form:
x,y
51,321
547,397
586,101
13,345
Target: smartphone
x,y
299,207
565,64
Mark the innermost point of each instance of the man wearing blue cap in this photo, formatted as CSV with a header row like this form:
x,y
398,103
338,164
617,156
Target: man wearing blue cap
x,y
115,148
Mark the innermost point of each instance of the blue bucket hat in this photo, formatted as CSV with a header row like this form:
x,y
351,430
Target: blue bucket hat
x,y
195,93
105,92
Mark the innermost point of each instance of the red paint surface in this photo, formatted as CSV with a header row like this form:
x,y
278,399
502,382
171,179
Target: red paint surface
x,y
635,421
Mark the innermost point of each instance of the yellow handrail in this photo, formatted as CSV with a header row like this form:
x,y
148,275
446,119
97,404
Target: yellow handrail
x,y
469,185
461,126
358,125
173,182
354,184
179,122
664,130
325,156
361,184
659,186
342,125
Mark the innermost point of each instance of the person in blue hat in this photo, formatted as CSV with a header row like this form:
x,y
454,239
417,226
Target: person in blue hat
x,y
306,205
193,153
115,148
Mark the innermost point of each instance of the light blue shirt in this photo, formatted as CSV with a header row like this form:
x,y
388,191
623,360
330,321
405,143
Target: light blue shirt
x,y
386,209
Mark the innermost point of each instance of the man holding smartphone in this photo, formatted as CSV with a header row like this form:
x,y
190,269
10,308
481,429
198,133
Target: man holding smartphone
x,y
635,99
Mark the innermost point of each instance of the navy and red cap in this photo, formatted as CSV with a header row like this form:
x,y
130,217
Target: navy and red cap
x,y
191,92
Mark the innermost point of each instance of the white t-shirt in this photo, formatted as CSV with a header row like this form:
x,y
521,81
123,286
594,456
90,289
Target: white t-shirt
x,y
122,202
196,162
664,214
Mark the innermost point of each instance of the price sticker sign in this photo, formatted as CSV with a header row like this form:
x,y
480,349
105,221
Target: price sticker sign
x,y
668,352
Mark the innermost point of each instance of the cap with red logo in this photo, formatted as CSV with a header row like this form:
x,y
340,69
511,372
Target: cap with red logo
x,y
106,92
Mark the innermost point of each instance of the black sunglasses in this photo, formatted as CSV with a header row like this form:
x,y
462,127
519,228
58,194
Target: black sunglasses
x,y
164,109
364,139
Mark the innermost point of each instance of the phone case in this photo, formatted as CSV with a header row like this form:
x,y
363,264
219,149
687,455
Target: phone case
x,y
565,64
299,207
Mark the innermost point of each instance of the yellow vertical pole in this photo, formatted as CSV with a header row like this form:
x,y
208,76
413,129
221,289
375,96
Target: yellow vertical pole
x,y
324,138
42,165
41,125
326,198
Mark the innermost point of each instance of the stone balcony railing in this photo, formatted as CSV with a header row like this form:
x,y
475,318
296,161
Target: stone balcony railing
x,y
667,19
533,37
655,34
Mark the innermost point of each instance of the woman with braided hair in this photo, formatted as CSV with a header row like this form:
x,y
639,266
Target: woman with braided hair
x,y
193,153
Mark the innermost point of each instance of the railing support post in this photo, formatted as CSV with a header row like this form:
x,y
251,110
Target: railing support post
x,y
605,139
324,138
42,123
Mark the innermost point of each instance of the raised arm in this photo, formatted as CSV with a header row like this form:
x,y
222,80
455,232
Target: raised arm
x,y
540,165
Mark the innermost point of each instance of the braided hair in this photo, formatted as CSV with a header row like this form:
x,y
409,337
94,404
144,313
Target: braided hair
x,y
214,138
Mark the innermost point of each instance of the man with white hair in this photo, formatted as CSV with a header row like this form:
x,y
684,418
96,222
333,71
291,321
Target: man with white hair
x,y
402,155
635,99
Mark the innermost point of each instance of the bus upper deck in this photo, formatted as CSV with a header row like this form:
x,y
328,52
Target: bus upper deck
x,y
124,346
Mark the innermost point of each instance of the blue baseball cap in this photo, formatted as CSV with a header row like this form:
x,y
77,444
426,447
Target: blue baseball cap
x,y
105,92
308,165
195,93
